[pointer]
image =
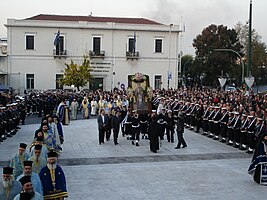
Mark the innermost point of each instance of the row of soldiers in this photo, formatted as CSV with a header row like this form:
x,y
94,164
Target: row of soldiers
x,y
238,129
10,117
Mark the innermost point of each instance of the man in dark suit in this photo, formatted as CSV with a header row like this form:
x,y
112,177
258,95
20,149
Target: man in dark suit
x,y
102,121
115,124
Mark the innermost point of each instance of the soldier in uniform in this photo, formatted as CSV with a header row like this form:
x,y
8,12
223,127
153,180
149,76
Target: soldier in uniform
x,y
250,137
127,121
123,116
223,121
162,123
198,115
153,132
135,130
193,116
216,124
210,120
205,120
236,130
243,131
143,125
230,129
170,126
188,115
3,124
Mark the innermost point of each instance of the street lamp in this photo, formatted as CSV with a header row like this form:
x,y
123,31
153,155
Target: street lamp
x,y
169,55
241,60
191,59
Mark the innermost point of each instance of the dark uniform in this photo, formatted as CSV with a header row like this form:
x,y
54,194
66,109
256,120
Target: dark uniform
x,y
198,116
230,128
223,121
143,125
243,132
236,129
251,134
170,126
205,121
135,130
216,124
153,133
210,121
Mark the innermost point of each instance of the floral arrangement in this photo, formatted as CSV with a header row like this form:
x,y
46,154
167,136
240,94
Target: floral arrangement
x,y
138,77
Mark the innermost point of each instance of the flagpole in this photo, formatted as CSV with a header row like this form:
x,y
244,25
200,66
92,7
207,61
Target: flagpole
x,y
169,56
249,40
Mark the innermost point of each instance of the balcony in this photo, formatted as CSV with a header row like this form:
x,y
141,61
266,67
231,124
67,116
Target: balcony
x,y
59,54
97,54
132,55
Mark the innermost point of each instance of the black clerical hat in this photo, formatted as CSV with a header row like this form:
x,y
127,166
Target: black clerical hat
x,y
38,147
27,163
7,170
39,139
23,145
52,154
25,179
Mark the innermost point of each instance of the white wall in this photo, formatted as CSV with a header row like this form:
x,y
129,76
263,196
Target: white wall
x,y
78,42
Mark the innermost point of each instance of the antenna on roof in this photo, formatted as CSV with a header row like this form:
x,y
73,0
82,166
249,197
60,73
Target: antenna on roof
x,y
91,13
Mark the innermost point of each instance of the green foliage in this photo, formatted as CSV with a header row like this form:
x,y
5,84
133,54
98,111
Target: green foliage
x,y
259,56
217,37
77,75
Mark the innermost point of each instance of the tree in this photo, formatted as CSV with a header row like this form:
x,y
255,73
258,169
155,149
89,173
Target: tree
x,y
217,37
77,75
258,51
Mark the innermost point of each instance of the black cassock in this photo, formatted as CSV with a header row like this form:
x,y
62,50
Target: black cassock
x,y
153,133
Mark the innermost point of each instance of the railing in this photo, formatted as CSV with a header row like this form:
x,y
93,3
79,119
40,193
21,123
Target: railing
x,y
96,54
59,53
132,55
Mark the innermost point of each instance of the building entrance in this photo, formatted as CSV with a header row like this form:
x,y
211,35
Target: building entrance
x,y
96,83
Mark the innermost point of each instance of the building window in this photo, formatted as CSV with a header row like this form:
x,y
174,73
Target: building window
x,y
158,82
60,46
59,78
158,45
29,42
131,45
96,45
30,81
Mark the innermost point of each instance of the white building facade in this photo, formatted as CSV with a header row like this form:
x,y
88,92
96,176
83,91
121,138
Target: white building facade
x,y
117,47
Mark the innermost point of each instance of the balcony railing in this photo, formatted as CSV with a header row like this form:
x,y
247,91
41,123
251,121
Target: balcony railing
x,y
59,53
132,55
97,54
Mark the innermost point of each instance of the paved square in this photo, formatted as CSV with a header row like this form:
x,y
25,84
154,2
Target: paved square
x,y
207,169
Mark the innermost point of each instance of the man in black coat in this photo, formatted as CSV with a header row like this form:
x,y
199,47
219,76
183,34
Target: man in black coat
x,y
153,132
115,124
180,131
102,121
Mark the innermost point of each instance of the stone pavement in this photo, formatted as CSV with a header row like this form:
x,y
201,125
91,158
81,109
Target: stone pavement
x,y
207,169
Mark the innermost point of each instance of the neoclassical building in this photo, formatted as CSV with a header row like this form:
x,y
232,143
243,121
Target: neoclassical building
x,y
38,48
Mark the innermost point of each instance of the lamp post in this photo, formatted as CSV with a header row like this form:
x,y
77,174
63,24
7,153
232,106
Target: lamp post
x,y
242,62
191,59
170,30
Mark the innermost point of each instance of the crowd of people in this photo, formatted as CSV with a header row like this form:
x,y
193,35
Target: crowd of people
x,y
235,118
33,173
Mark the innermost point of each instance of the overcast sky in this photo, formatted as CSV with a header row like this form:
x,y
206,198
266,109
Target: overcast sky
x,y
195,14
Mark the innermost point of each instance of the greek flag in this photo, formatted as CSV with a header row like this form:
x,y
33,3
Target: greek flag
x,y
134,42
57,38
